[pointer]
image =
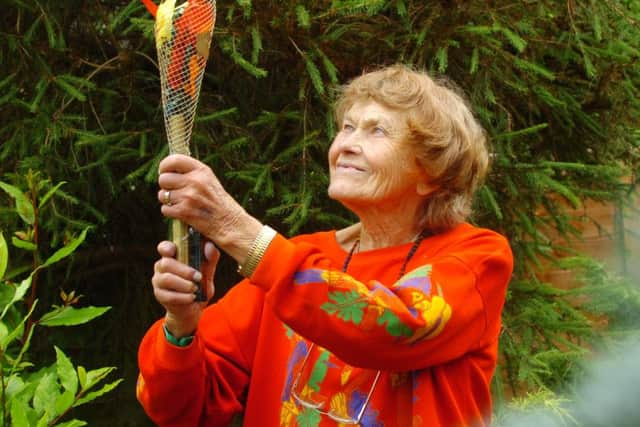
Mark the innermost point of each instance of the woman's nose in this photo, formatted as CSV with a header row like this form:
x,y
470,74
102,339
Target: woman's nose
x,y
350,143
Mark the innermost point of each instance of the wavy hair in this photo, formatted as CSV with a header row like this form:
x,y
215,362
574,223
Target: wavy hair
x,y
449,142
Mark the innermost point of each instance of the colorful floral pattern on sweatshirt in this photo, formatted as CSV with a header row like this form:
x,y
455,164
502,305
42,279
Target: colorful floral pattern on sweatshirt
x,y
324,380
376,305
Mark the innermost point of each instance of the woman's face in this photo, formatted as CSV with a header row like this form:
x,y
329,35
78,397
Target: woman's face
x,y
370,164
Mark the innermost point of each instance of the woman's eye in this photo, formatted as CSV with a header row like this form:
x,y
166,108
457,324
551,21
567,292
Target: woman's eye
x,y
379,131
347,127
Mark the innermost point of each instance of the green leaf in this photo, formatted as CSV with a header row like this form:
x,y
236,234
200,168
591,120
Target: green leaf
x,y
329,67
64,401
94,376
6,81
347,305
20,292
308,418
475,60
394,326
4,331
49,194
72,423
23,244
14,386
304,20
217,115
246,5
46,393
18,331
23,205
122,16
482,30
533,68
19,414
314,74
521,132
490,201
4,255
41,89
228,46
558,187
69,316
95,394
82,377
46,417
319,371
516,41
69,88
66,372
66,250
588,66
442,58
51,34
401,8
256,42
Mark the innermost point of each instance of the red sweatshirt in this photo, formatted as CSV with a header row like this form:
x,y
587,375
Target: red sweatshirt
x,y
433,334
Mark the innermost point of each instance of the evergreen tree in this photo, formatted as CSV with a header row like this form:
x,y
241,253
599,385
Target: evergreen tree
x,y
554,83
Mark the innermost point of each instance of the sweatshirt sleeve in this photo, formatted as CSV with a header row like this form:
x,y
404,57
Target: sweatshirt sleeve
x,y
206,380
446,307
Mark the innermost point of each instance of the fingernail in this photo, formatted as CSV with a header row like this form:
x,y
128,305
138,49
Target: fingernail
x,y
197,277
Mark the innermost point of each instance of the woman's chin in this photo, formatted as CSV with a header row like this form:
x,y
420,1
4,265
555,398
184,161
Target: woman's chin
x,y
350,200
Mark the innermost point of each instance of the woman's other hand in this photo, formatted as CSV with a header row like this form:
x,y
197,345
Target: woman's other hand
x,y
174,286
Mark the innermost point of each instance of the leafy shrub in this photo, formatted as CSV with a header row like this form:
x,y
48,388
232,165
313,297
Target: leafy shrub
x,y
32,395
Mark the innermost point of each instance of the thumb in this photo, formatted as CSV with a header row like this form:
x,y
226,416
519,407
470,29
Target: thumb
x,y
211,253
208,267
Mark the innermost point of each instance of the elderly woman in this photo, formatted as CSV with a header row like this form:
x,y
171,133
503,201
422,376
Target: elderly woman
x,y
393,321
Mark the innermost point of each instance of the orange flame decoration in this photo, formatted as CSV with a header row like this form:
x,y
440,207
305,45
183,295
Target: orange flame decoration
x,y
151,7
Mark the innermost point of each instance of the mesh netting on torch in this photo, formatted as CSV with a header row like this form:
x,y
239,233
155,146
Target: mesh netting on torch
x,y
183,35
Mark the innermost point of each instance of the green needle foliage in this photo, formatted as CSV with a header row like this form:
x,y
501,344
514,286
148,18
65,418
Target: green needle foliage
x,y
555,83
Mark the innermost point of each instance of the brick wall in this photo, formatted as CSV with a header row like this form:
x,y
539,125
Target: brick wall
x,y
610,234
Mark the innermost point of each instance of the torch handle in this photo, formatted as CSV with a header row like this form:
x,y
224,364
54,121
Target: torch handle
x,y
189,249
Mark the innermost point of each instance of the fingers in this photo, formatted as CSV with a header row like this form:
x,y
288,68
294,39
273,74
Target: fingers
x,y
178,163
171,180
173,281
170,299
175,268
183,178
167,248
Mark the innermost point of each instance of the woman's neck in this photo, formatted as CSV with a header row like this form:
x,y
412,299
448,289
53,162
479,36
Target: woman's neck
x,y
378,234
383,226
382,235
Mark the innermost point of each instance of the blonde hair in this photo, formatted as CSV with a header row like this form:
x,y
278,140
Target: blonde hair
x,y
448,141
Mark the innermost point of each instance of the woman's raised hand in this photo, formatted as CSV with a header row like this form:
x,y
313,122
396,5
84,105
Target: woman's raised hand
x,y
191,192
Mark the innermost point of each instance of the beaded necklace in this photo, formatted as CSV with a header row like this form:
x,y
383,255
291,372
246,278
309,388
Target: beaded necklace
x,y
416,244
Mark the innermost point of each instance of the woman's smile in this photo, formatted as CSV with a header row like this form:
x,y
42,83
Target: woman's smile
x,y
348,167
